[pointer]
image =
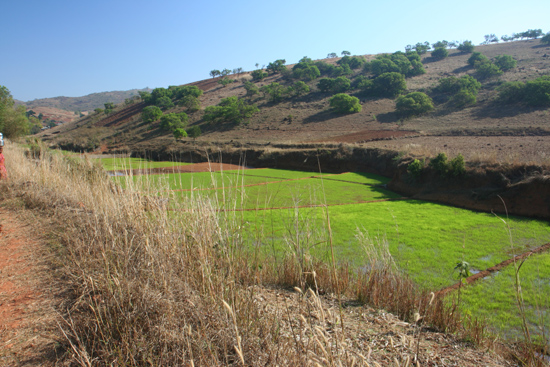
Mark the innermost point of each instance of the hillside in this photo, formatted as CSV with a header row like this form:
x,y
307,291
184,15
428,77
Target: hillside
x,y
513,129
85,103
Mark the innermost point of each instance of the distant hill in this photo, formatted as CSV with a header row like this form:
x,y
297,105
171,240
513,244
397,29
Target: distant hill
x,y
85,103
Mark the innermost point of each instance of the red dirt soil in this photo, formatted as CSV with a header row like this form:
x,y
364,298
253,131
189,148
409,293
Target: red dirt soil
x,y
197,167
25,309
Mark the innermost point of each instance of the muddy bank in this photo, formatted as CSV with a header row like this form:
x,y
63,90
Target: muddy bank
x,y
524,189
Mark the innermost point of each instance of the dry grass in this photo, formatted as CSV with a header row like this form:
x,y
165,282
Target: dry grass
x,y
153,288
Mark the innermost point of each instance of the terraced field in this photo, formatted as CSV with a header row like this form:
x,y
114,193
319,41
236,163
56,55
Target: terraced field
x,y
280,211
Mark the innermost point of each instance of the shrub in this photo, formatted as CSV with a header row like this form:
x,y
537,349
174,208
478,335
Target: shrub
x,y
300,88
457,166
172,121
546,39
414,104
258,75
476,56
505,62
466,47
276,66
275,92
415,169
230,109
511,92
164,103
439,164
389,84
354,62
151,113
325,84
251,88
340,84
194,131
344,103
537,92
440,53
179,133
452,85
305,71
463,98
487,69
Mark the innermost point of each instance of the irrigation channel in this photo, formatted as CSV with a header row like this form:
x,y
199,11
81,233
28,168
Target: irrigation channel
x,y
280,209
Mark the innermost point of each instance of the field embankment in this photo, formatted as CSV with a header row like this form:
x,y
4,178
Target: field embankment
x,y
515,189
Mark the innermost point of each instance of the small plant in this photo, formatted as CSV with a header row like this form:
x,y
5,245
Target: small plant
x,y
439,164
476,56
440,53
194,132
505,62
415,169
414,104
344,103
466,47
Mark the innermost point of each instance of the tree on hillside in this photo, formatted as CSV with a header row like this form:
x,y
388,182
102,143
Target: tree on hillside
x,y
389,85
172,121
346,53
344,103
332,55
440,53
505,62
490,38
466,47
300,88
151,113
13,120
258,75
214,73
414,104
546,39
276,66
230,109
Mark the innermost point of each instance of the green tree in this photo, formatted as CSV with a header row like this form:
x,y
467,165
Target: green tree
x,y
325,84
151,113
276,66
230,109
463,98
258,75
13,119
214,73
440,53
476,56
511,92
164,103
172,121
546,39
251,88
305,71
505,62
466,47
487,69
340,84
389,85
537,92
179,133
415,169
332,55
194,132
344,103
275,92
457,166
414,104
346,53
440,44
439,164
300,88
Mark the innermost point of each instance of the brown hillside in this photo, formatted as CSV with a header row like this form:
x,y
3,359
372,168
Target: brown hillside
x,y
520,132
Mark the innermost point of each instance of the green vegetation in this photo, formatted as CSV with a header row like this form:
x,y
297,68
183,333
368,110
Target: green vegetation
x,y
534,93
546,39
460,92
174,121
194,132
415,169
276,92
258,75
13,120
407,64
230,109
305,70
466,47
344,103
386,85
505,62
336,85
456,167
420,48
151,113
440,53
276,66
114,164
414,104
476,57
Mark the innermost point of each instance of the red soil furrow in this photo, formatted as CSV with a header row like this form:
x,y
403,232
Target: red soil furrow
x,y
482,274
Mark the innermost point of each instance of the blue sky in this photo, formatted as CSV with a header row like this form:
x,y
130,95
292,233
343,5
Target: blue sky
x,y
71,48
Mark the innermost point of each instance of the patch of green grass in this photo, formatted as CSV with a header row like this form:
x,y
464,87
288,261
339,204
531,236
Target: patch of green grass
x,y
494,298
112,164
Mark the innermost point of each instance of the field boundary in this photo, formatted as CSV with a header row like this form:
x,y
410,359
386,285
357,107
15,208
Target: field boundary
x,y
485,273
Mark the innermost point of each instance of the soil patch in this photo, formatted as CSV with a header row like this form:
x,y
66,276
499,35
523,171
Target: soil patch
x,y
369,135
197,167
26,302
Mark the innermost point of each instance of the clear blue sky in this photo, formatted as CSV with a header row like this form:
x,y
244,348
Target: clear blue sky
x,y
71,48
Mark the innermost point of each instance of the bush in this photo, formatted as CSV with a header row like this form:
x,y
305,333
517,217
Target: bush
x,y
452,85
172,121
439,164
276,66
505,62
407,64
164,103
325,84
463,98
344,103
457,167
230,109
305,71
546,39
151,113
414,104
511,92
258,75
251,88
340,84
389,84
487,69
194,132
276,92
179,133
476,56
300,88
415,169
466,47
354,62
440,53
537,92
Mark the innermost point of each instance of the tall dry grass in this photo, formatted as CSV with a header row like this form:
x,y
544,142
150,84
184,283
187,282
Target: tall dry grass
x,y
154,287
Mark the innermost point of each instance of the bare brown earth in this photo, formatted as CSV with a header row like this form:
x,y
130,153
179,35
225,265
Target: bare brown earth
x,y
197,167
55,114
26,299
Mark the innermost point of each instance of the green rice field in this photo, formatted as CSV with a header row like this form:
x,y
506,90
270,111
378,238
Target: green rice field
x,y
282,210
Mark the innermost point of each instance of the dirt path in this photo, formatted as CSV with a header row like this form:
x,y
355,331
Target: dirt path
x,y
26,302
482,274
